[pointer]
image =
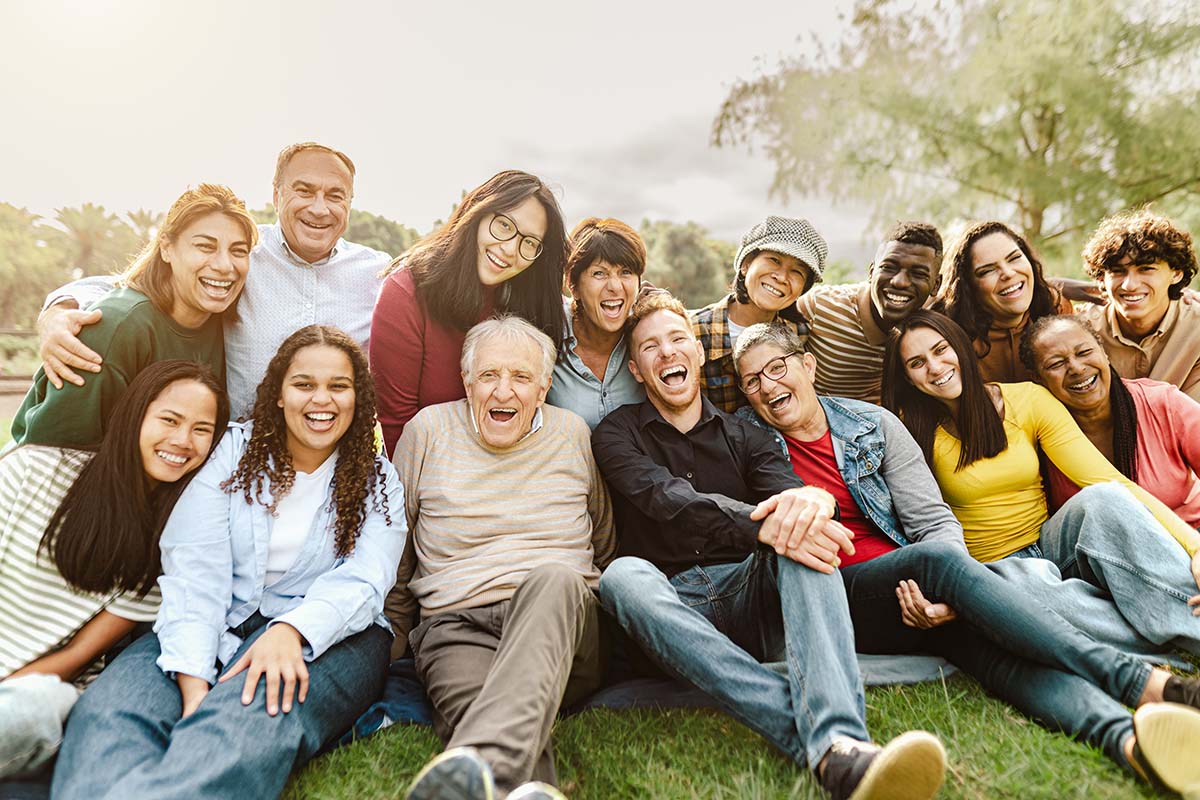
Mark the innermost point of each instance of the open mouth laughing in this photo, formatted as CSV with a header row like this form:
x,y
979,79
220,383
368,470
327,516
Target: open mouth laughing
x,y
771,290
319,421
1012,291
174,459
1084,386
502,414
673,376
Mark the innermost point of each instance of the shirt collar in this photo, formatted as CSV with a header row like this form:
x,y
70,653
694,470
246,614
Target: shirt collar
x,y
291,255
1114,327
648,413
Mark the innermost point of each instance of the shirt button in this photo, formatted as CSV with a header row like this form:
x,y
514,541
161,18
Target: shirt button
x,y
697,552
689,476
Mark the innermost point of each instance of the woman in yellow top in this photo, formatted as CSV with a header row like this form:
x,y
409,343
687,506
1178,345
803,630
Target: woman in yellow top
x,y
982,442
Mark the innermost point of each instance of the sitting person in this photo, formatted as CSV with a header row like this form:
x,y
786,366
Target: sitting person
x,y
168,305
848,324
511,525
779,260
907,542
276,562
603,272
691,587
992,285
982,441
78,566
1145,263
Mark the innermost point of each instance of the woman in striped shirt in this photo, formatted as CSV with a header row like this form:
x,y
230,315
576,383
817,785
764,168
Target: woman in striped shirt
x,y
79,547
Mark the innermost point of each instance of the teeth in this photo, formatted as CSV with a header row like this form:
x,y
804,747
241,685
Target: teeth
x,y
942,381
1010,291
1083,386
315,225
612,305
670,371
898,299
779,399
496,261
171,458
216,284
1133,298
320,416
773,290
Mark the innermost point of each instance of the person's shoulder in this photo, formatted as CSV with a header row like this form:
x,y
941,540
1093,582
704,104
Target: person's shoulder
x,y
704,316
1155,393
363,254
566,421
838,293
400,281
621,419
1189,313
440,417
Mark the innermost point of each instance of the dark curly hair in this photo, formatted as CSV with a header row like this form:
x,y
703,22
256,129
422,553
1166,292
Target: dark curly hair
x,y
958,298
1120,401
1144,237
267,464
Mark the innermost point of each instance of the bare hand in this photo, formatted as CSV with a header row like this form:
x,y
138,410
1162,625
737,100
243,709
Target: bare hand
x,y
1189,296
1078,291
792,515
917,612
192,690
278,656
58,331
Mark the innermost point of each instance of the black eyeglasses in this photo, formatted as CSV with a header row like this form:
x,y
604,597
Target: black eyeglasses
x,y
502,229
775,369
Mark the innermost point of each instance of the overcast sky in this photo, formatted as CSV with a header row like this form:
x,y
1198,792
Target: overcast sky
x,y
126,102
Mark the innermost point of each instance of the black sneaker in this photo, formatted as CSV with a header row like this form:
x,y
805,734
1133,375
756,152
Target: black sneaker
x,y
911,767
1166,747
457,774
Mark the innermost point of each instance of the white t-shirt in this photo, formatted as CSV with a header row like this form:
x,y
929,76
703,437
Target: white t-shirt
x,y
294,518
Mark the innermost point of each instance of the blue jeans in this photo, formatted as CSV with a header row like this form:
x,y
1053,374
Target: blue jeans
x,y
712,626
125,738
1016,648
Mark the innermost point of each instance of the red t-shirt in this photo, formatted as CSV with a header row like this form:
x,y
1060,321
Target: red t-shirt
x,y
816,465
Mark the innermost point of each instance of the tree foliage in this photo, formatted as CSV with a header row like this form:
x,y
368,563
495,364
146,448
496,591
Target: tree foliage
x,y
29,266
380,233
683,259
1048,113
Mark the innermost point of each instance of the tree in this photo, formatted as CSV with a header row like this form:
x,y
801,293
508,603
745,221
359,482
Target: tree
x,y
145,223
95,241
30,267
682,259
1048,113
380,233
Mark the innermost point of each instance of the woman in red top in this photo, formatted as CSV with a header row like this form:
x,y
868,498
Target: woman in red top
x,y
502,250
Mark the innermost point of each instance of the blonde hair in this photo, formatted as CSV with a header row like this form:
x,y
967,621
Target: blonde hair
x,y
287,153
148,273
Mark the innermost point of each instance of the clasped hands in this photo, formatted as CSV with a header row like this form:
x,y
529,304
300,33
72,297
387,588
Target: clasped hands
x,y
798,523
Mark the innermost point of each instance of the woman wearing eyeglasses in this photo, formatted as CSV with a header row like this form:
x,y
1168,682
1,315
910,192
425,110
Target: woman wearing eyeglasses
x,y
502,250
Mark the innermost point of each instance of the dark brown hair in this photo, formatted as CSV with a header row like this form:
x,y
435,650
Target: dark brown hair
x,y
1145,237
610,240
267,463
1120,401
104,535
445,265
959,296
980,428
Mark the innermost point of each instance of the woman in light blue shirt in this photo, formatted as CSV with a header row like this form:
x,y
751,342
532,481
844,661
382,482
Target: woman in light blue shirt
x,y
604,271
276,562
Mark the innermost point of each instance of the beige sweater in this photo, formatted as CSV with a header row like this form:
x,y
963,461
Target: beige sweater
x,y
480,519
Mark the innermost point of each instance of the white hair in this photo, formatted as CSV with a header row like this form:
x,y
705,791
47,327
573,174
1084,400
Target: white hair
x,y
511,329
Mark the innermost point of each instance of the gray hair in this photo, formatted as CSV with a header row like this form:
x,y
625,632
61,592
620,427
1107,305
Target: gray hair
x,y
774,333
512,329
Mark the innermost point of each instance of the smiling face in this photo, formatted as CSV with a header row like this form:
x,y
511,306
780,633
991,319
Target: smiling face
x,y
505,389
775,280
931,364
177,431
501,260
666,357
605,293
1139,293
313,201
1003,278
1070,363
317,399
209,260
788,403
902,277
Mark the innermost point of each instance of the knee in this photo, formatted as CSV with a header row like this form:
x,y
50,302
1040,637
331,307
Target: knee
x,y
1112,503
1109,497
627,578
555,578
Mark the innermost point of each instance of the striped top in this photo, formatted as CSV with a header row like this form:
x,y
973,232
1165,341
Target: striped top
x,y
482,518
845,340
38,611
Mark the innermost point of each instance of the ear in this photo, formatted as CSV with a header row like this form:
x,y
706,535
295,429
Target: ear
x,y
810,365
275,198
164,251
700,351
1178,276
545,390
637,373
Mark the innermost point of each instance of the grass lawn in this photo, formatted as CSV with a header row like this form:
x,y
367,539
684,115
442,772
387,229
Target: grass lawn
x,y
994,752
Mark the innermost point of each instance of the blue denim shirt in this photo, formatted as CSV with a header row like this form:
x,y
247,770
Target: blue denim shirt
x,y
577,389
885,471
214,554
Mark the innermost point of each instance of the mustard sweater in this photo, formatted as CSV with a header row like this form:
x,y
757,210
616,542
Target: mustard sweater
x,y
1000,501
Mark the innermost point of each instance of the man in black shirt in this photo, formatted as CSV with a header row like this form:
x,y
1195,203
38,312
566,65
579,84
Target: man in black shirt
x,y
726,560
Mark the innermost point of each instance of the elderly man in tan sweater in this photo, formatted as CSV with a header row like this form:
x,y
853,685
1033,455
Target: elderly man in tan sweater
x,y
510,527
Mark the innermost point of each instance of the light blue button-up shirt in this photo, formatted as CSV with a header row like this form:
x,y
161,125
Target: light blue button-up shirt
x,y
577,389
282,294
214,554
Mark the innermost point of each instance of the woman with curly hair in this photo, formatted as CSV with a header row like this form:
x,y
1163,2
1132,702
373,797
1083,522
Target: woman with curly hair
x,y
79,547
502,250
993,286
1145,263
276,563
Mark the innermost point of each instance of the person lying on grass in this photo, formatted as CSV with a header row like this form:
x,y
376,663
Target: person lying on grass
x,y
912,587
276,563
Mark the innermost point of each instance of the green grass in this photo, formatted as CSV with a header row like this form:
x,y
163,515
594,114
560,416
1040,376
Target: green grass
x,y
994,752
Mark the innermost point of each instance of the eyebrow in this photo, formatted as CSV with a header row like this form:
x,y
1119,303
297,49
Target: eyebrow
x,y
212,239
993,263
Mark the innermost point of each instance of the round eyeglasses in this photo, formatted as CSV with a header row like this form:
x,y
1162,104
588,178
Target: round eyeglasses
x,y
774,369
502,228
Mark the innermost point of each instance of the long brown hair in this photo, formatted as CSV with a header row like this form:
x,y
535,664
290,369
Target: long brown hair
x,y
104,535
445,266
980,428
959,295
267,463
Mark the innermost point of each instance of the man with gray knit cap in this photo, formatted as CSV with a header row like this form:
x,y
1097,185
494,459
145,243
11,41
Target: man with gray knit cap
x,y
779,259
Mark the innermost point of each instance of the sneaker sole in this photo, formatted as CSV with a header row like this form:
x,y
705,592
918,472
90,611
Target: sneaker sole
x,y
911,767
453,775
1167,735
